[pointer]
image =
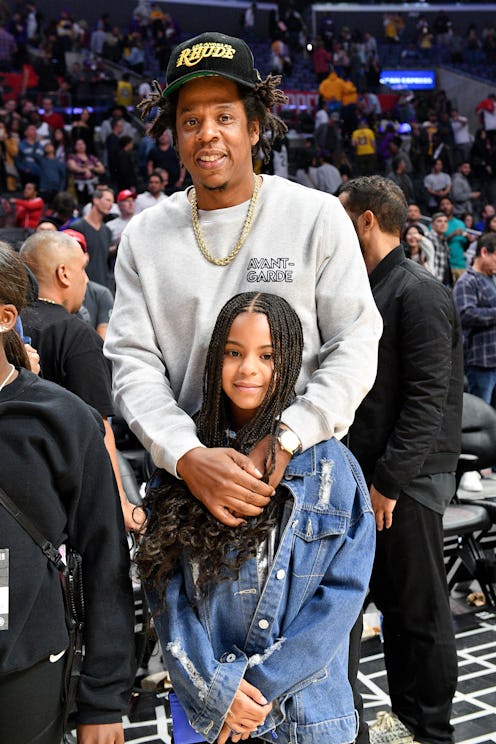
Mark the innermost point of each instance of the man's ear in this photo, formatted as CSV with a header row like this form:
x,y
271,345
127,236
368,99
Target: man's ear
x,y
62,275
368,219
254,132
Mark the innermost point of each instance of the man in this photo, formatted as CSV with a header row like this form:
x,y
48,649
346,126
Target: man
x,y
461,135
98,236
475,298
400,176
98,300
462,193
414,216
487,112
437,235
126,201
163,156
70,350
50,116
363,143
179,262
153,195
328,177
456,236
29,155
8,48
406,437
437,184
112,148
487,213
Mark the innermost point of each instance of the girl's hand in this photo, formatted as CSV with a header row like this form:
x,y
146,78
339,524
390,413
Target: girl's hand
x,y
248,711
100,733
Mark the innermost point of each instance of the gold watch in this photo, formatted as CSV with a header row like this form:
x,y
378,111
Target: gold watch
x,y
288,441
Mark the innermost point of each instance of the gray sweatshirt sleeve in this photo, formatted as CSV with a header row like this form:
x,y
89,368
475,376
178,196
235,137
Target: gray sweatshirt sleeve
x,y
141,386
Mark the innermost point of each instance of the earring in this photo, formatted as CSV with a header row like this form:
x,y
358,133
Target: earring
x,y
4,329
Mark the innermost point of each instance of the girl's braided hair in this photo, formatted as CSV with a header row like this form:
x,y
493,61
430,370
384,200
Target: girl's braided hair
x,y
14,288
179,523
257,101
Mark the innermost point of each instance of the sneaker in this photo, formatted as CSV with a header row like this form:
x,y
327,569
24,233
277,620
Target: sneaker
x,y
471,481
388,729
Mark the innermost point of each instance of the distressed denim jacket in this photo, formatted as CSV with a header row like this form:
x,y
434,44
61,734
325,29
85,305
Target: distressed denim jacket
x,y
290,639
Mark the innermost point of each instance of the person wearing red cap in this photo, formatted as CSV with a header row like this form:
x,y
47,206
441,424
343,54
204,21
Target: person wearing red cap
x,y
126,203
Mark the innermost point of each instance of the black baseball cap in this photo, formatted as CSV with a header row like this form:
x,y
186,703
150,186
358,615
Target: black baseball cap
x,y
211,53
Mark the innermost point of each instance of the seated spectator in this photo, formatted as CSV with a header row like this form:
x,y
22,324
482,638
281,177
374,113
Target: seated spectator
x,y
126,175
50,116
462,193
164,156
82,128
9,147
321,60
437,184
154,193
306,173
126,202
457,238
53,175
400,176
418,247
98,300
124,94
133,55
364,146
86,170
328,177
29,156
414,217
488,211
29,209
437,236
61,143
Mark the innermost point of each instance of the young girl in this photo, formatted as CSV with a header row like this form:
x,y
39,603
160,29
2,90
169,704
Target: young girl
x,y
55,468
254,621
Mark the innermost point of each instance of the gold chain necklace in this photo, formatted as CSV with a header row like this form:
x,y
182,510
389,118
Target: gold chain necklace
x,y
244,232
45,299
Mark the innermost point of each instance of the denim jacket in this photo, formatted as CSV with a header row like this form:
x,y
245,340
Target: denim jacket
x,y
290,640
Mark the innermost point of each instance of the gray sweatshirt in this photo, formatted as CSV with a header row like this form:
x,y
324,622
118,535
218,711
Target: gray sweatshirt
x,y
302,246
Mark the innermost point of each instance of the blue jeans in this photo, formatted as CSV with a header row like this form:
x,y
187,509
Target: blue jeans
x,y
482,382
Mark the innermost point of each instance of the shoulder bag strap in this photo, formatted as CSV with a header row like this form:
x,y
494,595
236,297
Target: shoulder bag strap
x,y
49,550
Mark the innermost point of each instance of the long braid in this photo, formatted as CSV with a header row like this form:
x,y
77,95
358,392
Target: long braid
x,y
178,522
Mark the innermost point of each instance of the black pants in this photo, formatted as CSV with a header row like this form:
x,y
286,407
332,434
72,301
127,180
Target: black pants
x,y
31,706
409,587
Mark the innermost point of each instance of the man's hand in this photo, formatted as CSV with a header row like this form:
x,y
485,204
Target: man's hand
x,y
100,733
248,711
383,509
226,482
258,453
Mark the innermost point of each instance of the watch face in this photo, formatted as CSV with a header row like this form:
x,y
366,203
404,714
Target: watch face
x,y
289,441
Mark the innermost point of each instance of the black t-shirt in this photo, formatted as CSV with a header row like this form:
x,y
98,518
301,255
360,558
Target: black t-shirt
x,y
71,353
98,242
168,160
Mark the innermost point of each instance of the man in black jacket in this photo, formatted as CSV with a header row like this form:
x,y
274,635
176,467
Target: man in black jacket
x,y
406,436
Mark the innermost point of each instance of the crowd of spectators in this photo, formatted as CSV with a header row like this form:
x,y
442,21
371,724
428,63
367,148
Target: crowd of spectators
x,y
422,141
